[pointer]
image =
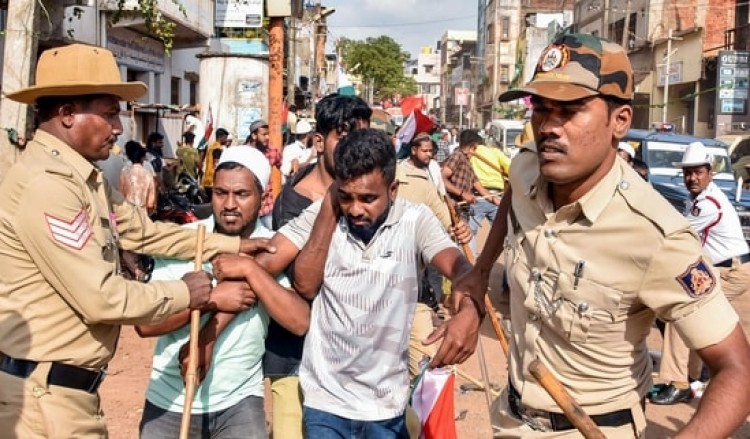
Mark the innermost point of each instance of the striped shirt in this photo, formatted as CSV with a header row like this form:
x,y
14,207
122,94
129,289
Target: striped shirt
x,y
354,363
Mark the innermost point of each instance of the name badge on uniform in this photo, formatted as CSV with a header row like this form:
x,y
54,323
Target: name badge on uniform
x,y
697,279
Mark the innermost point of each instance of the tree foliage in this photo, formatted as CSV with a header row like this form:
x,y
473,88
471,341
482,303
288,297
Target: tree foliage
x,y
156,24
380,60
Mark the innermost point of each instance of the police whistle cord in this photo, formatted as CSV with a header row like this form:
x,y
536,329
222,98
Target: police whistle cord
x,y
575,414
191,379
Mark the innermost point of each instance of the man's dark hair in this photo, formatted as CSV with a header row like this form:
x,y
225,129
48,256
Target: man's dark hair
x,y
234,165
418,139
135,151
221,132
614,103
641,168
188,137
153,137
340,113
469,137
364,150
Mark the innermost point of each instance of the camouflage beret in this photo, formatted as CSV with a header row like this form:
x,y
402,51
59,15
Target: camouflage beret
x,y
576,66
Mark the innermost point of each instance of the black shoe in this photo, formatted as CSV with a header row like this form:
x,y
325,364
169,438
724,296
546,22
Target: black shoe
x,y
672,395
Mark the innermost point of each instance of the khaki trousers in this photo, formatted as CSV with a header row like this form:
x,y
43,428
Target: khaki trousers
x,y
32,409
678,362
287,407
421,328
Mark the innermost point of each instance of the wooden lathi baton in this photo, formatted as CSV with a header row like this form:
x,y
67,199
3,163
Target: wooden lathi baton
x,y
575,414
487,303
191,378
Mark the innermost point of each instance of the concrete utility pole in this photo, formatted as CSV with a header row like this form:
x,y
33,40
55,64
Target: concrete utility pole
x,y
667,67
275,90
291,64
21,40
625,28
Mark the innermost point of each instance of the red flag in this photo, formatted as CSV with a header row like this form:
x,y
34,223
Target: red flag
x,y
432,400
424,123
412,103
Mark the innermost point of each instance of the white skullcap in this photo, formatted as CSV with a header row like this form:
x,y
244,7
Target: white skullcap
x,y
251,159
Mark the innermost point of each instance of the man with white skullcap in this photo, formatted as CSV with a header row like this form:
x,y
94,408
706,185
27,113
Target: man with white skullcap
x,y
229,403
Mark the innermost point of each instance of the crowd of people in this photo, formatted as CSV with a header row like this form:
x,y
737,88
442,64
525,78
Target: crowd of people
x,y
333,290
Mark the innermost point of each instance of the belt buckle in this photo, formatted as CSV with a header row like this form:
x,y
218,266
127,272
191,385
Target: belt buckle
x,y
538,420
100,375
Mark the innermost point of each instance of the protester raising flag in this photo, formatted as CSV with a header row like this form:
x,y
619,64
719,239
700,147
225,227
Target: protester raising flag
x,y
432,400
209,129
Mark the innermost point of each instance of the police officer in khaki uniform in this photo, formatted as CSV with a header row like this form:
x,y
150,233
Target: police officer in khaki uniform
x,y
61,297
593,255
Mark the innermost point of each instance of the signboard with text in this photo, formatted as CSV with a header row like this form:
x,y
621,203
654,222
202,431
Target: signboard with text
x,y
732,90
242,14
462,96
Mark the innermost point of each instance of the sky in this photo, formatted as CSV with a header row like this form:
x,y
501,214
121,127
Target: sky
x,y
411,23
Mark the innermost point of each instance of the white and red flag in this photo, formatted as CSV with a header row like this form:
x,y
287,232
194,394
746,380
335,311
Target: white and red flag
x,y
432,400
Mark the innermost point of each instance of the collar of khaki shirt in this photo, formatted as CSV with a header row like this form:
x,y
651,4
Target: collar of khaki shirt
x,y
593,203
56,147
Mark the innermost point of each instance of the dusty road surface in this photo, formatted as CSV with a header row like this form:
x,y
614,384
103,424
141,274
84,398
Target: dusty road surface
x,y
123,391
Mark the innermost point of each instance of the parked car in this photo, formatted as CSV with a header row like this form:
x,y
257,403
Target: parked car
x,y
660,150
503,133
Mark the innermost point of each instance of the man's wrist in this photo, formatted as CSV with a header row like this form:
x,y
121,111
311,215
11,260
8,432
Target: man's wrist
x,y
477,304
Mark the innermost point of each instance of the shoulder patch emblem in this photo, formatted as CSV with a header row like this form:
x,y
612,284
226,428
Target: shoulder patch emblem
x,y
697,280
554,57
74,233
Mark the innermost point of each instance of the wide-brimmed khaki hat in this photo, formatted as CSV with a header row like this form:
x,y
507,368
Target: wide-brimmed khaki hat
x,y
78,70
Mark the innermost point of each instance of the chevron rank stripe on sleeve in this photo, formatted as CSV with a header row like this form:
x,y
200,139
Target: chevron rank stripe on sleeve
x,y
74,234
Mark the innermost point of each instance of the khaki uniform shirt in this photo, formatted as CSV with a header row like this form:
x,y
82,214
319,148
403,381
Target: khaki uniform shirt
x,y
60,296
415,185
640,259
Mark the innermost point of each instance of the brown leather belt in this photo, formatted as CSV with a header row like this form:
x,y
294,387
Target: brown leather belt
x,y
60,374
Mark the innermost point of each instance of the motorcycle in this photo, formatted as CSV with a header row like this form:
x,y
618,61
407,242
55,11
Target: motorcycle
x,y
185,203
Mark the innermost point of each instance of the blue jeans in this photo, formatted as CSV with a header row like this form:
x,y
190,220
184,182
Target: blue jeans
x,y
324,425
481,209
246,419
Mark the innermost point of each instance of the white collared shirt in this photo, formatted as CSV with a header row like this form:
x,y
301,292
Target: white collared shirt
x,y
712,215
354,362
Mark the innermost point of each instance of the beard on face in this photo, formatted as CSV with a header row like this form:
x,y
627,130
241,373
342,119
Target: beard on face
x,y
242,230
367,231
